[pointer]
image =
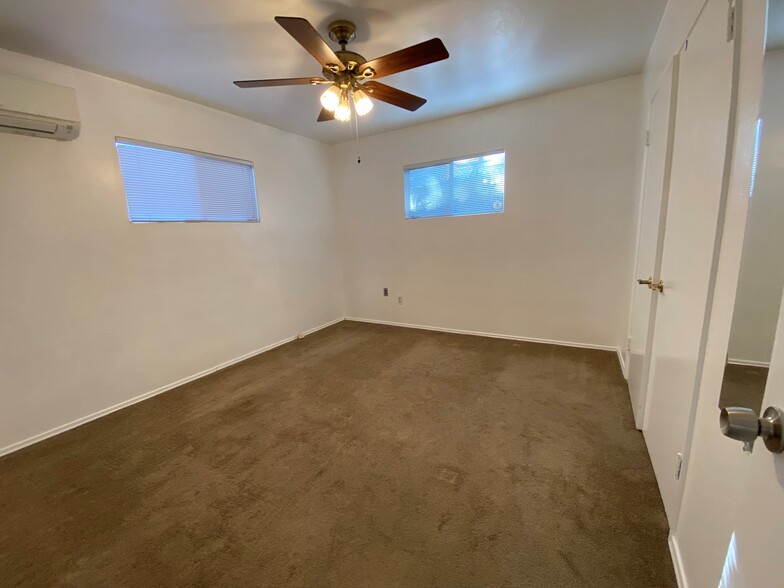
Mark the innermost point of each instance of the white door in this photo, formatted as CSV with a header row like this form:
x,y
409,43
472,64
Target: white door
x,y
696,185
756,554
653,212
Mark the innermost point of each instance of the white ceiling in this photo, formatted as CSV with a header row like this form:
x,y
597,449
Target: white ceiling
x,y
501,50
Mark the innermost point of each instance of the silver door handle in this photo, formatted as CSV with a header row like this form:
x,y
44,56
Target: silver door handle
x,y
742,424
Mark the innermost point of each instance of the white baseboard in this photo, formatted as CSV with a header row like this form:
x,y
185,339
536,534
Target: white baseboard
x,y
86,419
499,336
481,334
748,362
91,417
677,562
623,364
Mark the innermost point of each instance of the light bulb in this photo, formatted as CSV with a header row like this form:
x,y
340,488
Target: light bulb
x,y
343,111
331,98
362,103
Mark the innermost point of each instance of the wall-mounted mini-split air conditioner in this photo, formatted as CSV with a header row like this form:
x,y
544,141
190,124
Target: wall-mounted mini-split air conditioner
x,y
40,109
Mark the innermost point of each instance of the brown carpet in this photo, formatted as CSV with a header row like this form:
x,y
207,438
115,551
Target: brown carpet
x,y
363,455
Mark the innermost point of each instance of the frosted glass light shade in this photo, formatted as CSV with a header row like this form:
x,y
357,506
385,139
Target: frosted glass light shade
x,y
362,103
343,111
331,98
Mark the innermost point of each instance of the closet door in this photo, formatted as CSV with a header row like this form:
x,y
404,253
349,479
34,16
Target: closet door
x,y
653,214
697,187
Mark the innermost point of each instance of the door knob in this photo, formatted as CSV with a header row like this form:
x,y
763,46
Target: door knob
x,y
742,424
649,282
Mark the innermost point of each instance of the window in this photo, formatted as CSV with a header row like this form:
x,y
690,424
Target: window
x,y
456,188
165,184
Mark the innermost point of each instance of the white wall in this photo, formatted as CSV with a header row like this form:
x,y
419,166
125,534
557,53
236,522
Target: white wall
x,y
762,269
96,311
555,265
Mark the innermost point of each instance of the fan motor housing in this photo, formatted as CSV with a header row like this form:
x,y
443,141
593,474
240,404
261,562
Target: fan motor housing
x,y
343,32
351,60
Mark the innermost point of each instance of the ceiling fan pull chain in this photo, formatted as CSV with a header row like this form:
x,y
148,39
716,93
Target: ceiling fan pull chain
x,y
356,130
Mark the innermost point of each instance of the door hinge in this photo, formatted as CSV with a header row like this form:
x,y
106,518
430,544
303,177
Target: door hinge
x,y
678,465
731,21
648,138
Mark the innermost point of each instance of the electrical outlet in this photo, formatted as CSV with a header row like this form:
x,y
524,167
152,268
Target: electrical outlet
x,y
386,291
400,301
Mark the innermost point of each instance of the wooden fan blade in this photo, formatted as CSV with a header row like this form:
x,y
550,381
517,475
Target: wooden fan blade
x,y
280,82
325,115
304,33
393,96
409,58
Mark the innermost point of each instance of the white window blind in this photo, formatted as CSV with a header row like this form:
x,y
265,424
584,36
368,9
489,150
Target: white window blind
x,y
456,188
165,184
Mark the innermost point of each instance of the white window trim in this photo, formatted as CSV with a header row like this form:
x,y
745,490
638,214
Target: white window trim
x,y
452,159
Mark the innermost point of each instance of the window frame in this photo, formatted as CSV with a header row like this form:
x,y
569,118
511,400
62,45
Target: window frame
x,y
437,162
194,152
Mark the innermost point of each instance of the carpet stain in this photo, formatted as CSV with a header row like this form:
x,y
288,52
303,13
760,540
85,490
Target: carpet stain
x,y
451,475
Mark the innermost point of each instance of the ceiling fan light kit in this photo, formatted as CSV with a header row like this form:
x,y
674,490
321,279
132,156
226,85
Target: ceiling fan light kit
x,y
350,77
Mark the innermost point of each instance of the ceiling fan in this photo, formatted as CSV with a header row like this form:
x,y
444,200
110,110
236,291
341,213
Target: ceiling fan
x,y
350,76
